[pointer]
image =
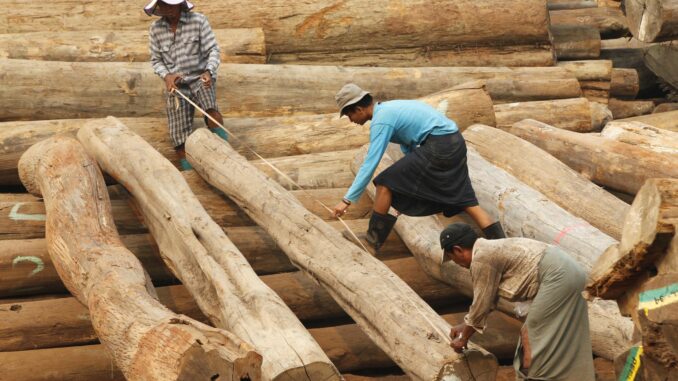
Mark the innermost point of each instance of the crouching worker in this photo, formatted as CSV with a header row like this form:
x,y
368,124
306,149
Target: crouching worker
x,y
554,342
432,177
185,54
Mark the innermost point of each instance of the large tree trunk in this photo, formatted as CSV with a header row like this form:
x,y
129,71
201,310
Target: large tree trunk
x,y
402,325
146,340
199,253
664,120
466,104
628,108
335,30
610,22
642,135
522,212
652,20
606,162
26,268
576,42
561,184
131,89
576,114
244,45
346,345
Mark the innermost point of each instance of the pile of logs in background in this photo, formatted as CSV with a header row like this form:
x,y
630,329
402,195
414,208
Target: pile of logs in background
x,y
114,265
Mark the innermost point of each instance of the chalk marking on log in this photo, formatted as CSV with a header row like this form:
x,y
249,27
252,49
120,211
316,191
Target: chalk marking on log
x,y
565,231
657,298
39,264
16,216
632,364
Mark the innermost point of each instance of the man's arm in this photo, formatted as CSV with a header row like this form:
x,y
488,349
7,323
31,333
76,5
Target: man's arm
x,y
378,143
210,48
156,59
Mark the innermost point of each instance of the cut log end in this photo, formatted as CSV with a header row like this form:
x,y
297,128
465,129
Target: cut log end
x,y
471,365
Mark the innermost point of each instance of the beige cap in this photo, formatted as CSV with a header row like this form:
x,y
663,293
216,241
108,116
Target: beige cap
x,y
348,95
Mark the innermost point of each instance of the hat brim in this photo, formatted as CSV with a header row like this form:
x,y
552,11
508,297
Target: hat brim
x,y
150,7
352,102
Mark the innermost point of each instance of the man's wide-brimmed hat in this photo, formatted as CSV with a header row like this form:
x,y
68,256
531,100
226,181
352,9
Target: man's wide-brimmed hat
x,y
150,8
348,95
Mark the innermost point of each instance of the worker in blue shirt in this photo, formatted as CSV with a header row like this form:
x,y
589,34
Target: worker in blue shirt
x,y
432,177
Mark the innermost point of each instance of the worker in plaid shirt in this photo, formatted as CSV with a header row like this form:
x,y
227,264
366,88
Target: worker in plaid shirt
x,y
185,53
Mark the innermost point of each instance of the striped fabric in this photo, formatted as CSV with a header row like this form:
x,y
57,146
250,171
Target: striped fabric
x,y
191,52
180,113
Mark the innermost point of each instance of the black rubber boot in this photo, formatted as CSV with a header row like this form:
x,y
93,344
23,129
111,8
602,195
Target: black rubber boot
x,y
379,228
494,231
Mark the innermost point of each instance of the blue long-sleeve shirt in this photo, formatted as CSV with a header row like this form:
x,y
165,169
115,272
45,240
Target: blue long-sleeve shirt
x,y
404,122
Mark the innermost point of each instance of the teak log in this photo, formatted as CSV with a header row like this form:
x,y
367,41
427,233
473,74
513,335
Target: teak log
x,y
652,20
322,27
606,162
205,260
561,184
571,4
576,114
522,212
624,83
146,340
384,307
132,90
662,59
643,135
26,268
466,104
609,22
589,70
244,45
621,108
575,42
664,120
346,345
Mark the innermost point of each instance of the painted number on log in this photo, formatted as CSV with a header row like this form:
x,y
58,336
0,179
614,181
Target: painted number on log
x,y
649,300
39,264
16,216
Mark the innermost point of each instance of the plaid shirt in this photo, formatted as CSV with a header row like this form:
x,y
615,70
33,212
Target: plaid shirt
x,y
191,51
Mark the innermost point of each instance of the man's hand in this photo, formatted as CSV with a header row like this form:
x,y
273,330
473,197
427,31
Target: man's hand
x,y
459,344
206,79
171,81
457,330
340,209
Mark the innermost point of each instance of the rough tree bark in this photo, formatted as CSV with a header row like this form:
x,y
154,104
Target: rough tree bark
x,y
466,104
244,45
522,212
131,89
199,253
383,306
606,162
146,340
561,184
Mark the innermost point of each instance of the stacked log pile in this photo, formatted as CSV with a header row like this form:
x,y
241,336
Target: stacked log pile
x,y
556,110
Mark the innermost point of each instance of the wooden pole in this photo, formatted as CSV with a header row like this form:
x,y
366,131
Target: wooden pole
x,y
199,253
385,308
146,340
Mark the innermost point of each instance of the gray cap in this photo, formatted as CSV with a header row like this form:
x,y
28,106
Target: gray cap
x,y
348,95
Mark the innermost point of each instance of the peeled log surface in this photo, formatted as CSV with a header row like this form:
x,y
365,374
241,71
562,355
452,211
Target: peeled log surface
x,y
403,326
26,268
642,135
132,90
621,108
322,26
561,184
574,42
346,345
244,45
466,104
576,114
589,70
606,162
522,212
610,22
652,20
625,83
206,261
664,120
648,230
147,341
